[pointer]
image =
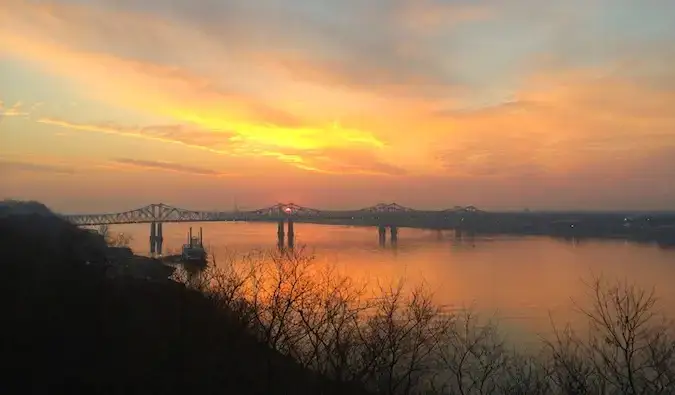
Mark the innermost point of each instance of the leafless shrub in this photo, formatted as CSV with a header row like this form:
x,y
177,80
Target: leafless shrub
x,y
629,349
114,239
630,346
524,375
473,356
570,369
330,319
402,337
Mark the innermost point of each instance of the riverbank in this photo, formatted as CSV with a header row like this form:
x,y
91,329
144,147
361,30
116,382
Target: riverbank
x,y
123,262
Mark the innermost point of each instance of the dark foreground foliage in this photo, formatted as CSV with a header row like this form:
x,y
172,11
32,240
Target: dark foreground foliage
x,y
67,328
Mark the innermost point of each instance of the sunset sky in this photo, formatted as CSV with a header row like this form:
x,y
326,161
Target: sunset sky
x,y
109,105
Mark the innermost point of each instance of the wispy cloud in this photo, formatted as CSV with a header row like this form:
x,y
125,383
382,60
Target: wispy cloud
x,y
15,110
306,157
160,91
20,166
430,15
335,161
563,123
151,87
168,166
382,43
214,141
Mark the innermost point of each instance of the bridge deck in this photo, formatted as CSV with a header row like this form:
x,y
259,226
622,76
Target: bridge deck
x,y
165,213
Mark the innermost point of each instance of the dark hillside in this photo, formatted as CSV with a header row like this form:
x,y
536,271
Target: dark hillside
x,y
70,329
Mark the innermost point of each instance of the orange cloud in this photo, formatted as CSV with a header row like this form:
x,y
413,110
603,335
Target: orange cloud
x,y
212,141
32,31
61,38
347,161
563,123
15,110
23,166
428,15
329,160
169,92
168,166
157,89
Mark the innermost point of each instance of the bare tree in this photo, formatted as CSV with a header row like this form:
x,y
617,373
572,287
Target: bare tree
x,y
474,357
570,369
401,338
114,240
630,345
524,375
629,349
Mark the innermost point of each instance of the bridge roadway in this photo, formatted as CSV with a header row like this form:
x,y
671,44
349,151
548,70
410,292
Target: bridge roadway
x,y
464,220
165,213
391,216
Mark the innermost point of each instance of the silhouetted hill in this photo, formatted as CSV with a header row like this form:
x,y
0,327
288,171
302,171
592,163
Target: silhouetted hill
x,y
70,329
17,207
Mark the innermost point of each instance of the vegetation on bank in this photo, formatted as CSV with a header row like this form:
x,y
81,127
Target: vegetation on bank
x,y
276,323
397,341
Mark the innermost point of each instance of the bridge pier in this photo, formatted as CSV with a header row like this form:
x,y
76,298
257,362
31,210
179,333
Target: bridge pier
x,y
153,236
291,234
160,238
156,238
393,234
463,234
281,234
280,229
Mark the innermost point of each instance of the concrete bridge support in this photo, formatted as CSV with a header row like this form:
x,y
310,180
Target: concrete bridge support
x,y
393,230
156,238
281,234
153,236
464,234
291,234
382,232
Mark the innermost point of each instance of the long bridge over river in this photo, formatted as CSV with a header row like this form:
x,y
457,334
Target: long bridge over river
x,y
464,220
384,216
165,213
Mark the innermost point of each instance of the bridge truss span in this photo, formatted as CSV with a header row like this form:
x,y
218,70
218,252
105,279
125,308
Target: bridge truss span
x,y
151,213
388,208
164,213
290,209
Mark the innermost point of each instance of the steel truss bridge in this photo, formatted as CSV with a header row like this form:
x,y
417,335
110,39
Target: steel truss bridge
x,y
164,213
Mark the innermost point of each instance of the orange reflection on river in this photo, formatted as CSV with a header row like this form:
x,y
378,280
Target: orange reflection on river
x,y
520,279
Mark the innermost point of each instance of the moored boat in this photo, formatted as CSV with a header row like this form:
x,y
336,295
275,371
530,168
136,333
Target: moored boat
x,y
193,250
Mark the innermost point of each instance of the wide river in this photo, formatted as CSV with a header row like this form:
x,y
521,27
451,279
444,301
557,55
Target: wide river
x,y
524,281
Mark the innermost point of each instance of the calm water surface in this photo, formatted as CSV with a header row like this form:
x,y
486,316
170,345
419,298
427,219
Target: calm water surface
x,y
523,280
